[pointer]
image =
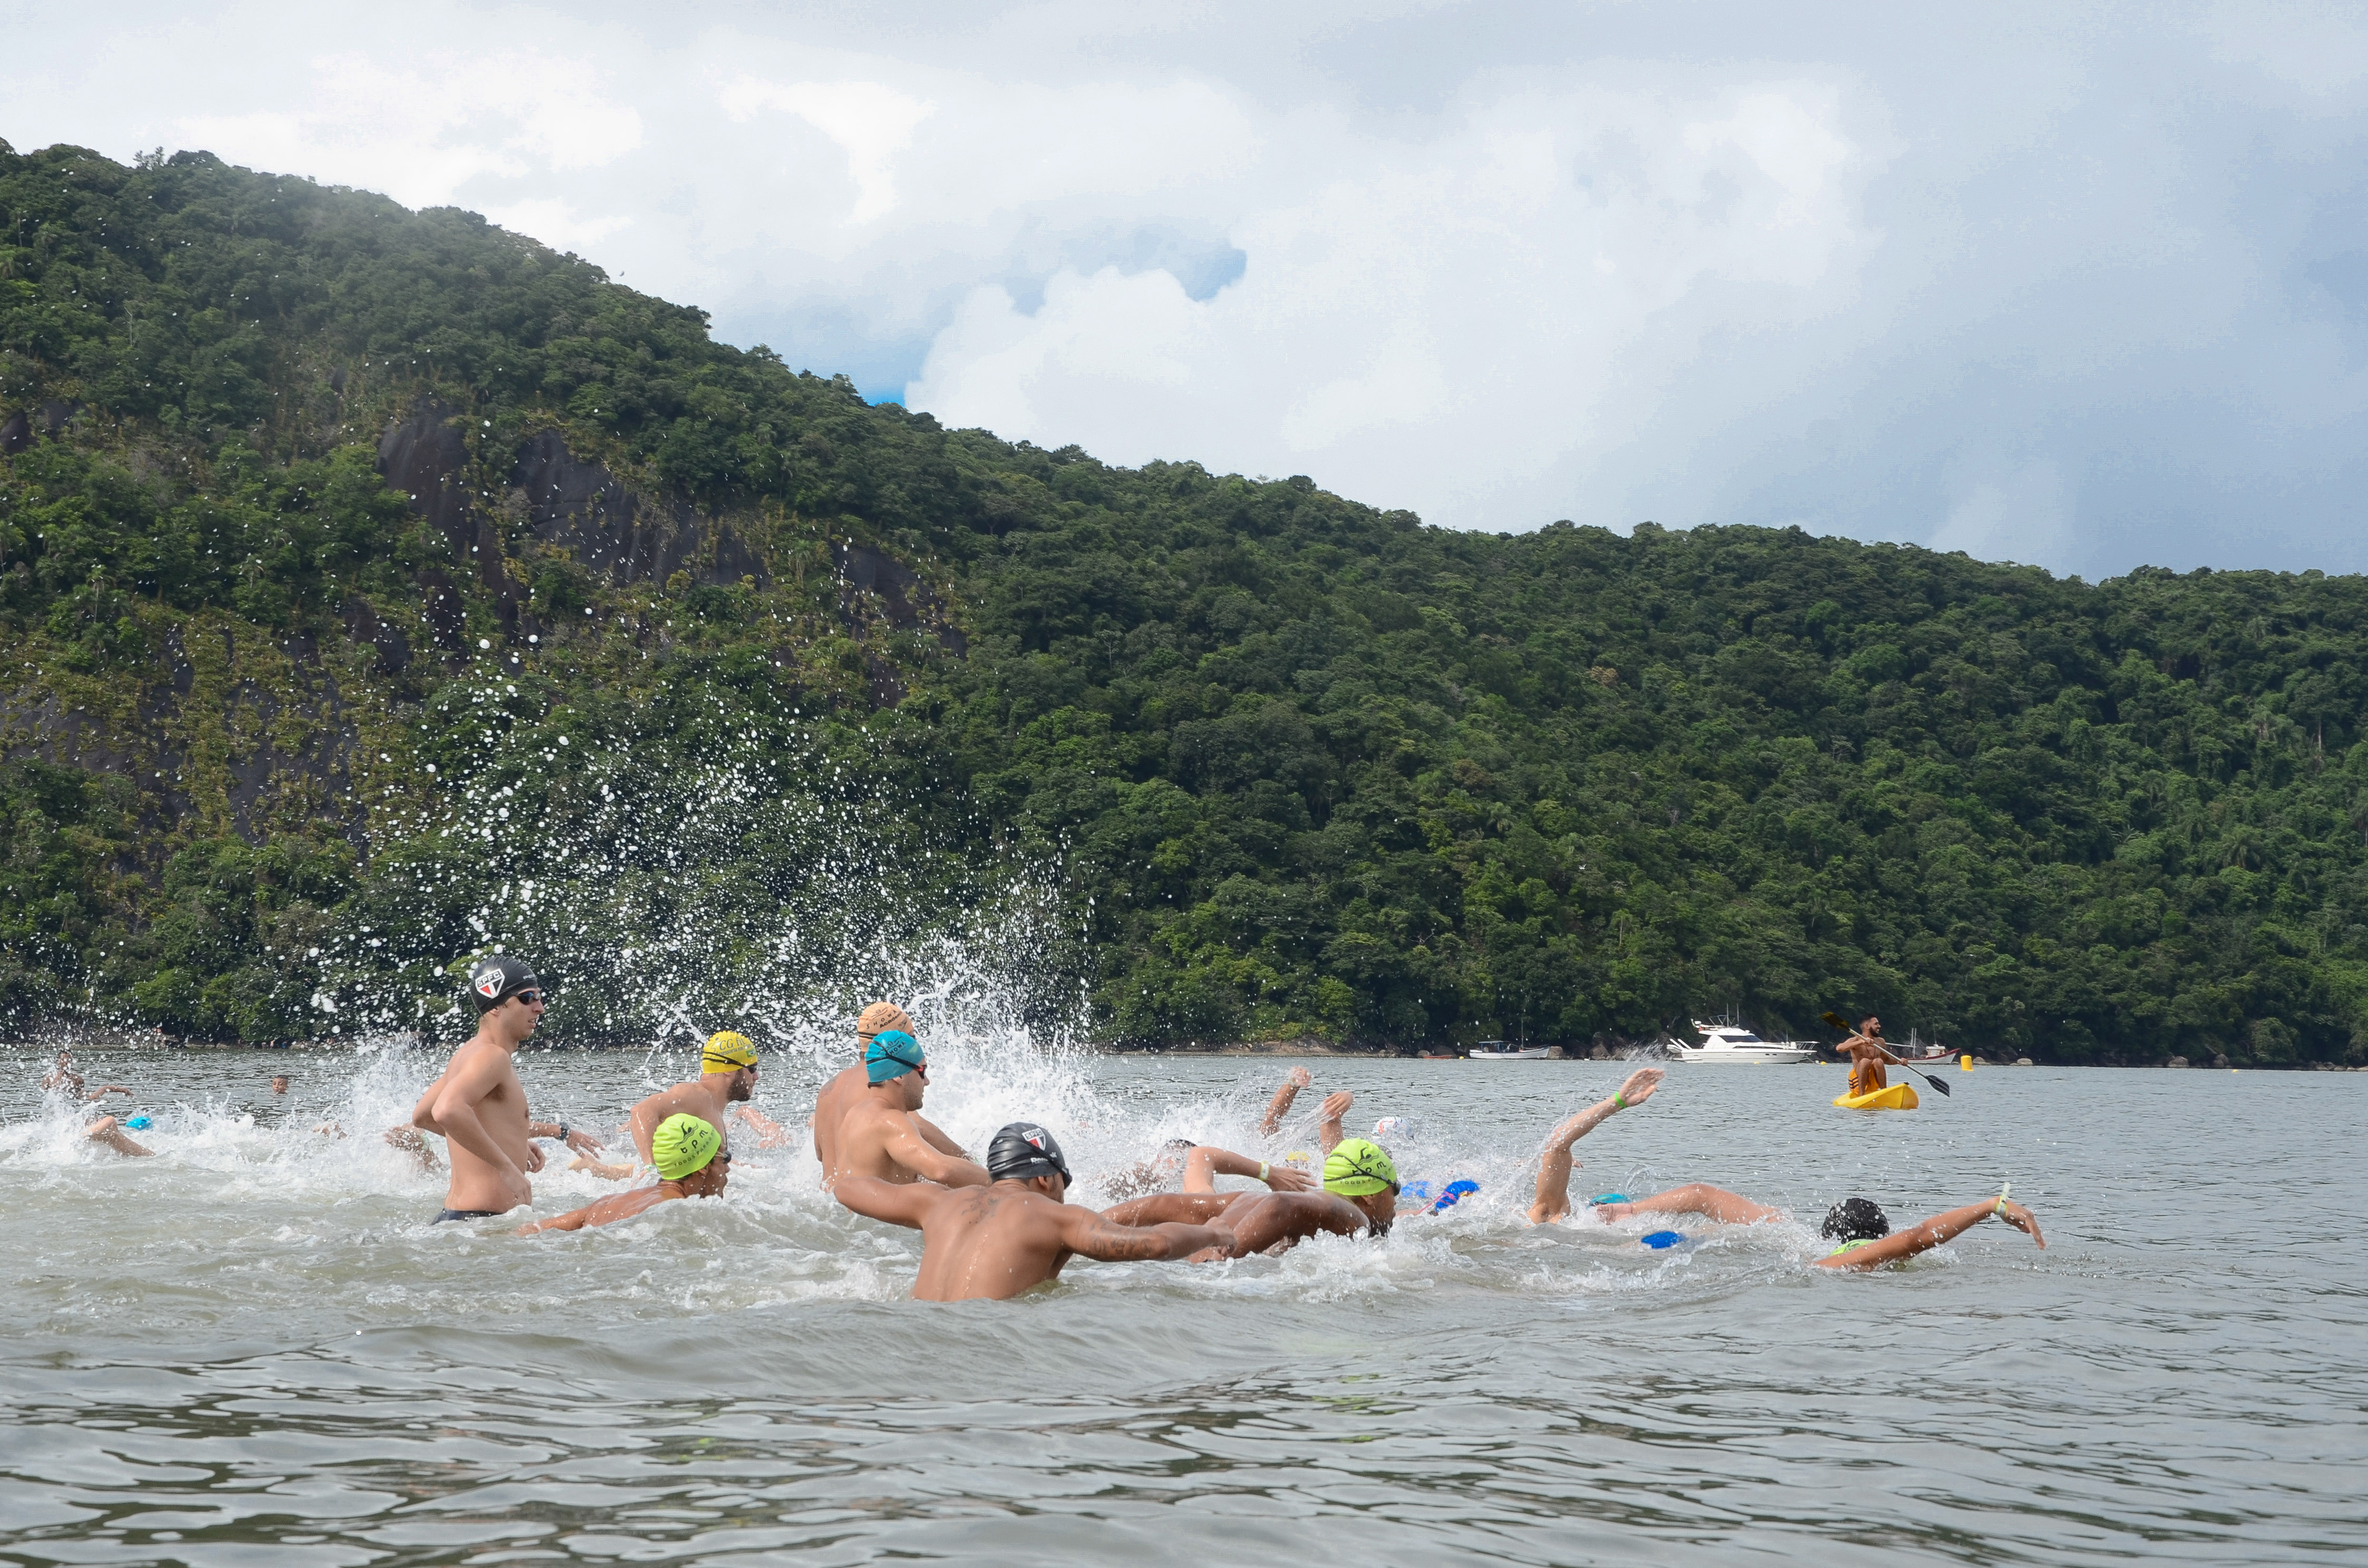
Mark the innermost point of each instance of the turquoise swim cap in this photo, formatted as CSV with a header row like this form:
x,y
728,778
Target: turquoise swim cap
x,y
892,1054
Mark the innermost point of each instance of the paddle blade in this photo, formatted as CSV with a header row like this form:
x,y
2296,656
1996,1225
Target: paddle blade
x,y
1935,1083
1834,1020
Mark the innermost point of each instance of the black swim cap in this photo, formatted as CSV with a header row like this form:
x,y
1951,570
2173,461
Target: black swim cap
x,y
494,981
1855,1220
1024,1151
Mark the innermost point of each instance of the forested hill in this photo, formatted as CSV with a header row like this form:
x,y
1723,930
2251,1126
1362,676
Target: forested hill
x,y
299,493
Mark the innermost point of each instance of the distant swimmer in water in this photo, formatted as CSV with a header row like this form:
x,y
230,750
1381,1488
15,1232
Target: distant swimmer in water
x,y
1360,1198
880,1134
478,1106
279,1083
996,1241
727,1075
691,1162
1868,1052
1554,1164
1858,1224
62,1076
846,1090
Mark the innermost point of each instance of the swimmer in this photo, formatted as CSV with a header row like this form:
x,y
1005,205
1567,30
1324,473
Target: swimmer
x,y
878,1136
993,1241
692,1163
1868,1052
478,1106
1199,1165
1857,1223
845,1091
279,1083
727,1075
1360,1198
63,1076
1554,1164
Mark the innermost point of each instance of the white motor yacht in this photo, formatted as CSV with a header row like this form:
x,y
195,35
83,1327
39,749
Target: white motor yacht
x,y
1733,1042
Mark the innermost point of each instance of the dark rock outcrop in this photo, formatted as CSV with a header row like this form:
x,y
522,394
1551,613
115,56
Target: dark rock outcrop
x,y
581,507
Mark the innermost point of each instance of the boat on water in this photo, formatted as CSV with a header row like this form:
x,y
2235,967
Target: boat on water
x,y
1727,1041
1501,1050
1916,1051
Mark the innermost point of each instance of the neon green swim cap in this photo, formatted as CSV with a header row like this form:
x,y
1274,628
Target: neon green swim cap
x,y
683,1145
1357,1167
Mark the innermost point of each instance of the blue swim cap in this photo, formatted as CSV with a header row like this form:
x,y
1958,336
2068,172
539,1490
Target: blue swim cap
x,y
892,1054
1609,1197
1416,1191
1455,1191
140,1122
1659,1240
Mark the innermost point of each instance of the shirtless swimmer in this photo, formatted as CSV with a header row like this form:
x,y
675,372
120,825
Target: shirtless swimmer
x,y
692,1163
995,1242
845,1091
881,1135
1360,1198
478,1105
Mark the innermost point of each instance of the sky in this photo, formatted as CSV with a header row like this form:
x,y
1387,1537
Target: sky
x,y
2080,286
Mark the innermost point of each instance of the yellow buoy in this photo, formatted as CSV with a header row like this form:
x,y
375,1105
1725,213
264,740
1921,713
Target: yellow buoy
x,y
1965,1063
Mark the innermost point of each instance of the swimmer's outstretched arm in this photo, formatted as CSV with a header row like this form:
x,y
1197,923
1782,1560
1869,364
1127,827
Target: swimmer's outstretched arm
x,y
1204,1164
770,1134
895,1203
576,1137
1940,1228
1694,1198
602,1210
1553,1201
1279,1106
931,1134
1087,1234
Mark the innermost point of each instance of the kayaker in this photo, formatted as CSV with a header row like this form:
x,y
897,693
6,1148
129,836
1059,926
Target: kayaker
x,y
1868,1052
1858,1224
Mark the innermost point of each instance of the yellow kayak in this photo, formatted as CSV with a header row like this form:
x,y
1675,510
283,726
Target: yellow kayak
x,y
1897,1096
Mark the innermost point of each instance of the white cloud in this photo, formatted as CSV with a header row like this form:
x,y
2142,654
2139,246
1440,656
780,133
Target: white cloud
x,y
2075,286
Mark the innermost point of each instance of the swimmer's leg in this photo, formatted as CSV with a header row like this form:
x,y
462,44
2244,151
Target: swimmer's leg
x,y
1695,1197
105,1130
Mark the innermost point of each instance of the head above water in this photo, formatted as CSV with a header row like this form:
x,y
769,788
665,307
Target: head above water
x,y
1855,1220
1022,1152
495,980
684,1145
881,1016
727,1052
279,1083
892,1054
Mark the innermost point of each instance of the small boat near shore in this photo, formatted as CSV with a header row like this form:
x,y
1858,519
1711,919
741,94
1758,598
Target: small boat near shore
x,y
1729,1041
1501,1050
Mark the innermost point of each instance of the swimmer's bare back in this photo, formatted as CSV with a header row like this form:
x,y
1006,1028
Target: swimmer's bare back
x,y
1260,1221
992,1243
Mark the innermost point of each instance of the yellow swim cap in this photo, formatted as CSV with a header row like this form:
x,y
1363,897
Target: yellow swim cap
x,y
682,1145
725,1050
1357,1167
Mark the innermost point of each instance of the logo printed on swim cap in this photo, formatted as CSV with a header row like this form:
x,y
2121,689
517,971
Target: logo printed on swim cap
x,y
490,983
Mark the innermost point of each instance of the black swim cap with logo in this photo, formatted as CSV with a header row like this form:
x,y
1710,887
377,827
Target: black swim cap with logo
x,y
494,981
1022,1152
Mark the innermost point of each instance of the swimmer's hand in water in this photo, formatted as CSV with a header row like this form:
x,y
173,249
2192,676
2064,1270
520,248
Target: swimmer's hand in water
x,y
1282,1178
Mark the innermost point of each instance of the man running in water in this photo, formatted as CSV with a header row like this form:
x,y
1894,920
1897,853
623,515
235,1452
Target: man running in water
x,y
995,1242
847,1090
1857,1223
880,1135
692,1163
727,1075
1360,1198
1868,1052
479,1106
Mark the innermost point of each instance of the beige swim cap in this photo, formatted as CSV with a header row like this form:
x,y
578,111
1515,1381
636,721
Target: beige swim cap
x,y
881,1016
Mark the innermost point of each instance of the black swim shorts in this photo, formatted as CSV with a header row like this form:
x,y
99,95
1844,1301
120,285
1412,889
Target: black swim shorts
x,y
466,1214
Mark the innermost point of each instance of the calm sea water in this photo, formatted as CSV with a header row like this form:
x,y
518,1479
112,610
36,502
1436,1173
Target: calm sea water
x,y
252,1350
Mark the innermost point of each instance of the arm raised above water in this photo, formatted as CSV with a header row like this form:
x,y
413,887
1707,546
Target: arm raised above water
x,y
1553,1201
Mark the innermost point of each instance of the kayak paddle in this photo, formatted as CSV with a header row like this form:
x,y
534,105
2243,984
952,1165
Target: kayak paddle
x,y
1834,1019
